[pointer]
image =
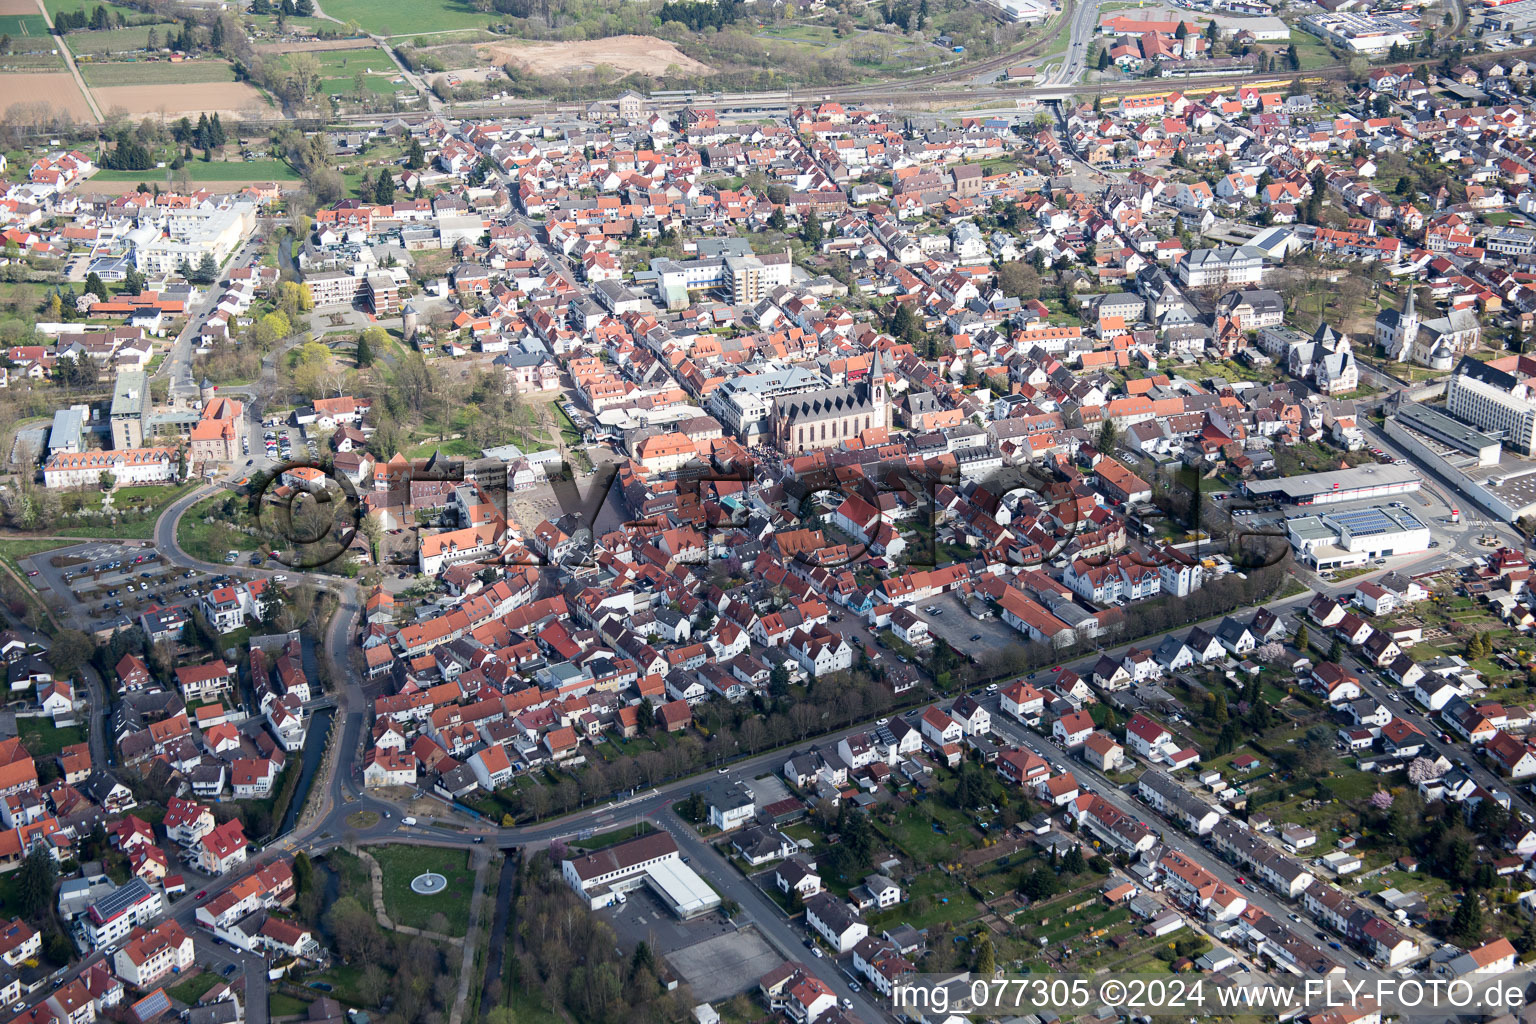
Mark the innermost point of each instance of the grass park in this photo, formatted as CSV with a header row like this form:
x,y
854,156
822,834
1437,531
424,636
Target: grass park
x,y
400,864
209,541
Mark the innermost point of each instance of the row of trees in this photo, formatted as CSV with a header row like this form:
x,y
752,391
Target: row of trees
x,y
285,8
572,958
99,20
723,733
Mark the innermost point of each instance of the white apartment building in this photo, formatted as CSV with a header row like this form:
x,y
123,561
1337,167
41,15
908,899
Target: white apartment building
x,y
1223,267
130,466
180,236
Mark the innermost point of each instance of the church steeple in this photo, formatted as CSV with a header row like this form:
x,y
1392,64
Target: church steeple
x,y
877,393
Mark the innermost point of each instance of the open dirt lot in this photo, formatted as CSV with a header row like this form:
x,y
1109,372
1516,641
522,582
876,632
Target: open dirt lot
x,y
645,55
58,89
225,98
18,7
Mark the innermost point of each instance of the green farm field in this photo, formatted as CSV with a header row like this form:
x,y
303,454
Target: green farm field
x,y
139,73
407,17
23,26
116,40
339,70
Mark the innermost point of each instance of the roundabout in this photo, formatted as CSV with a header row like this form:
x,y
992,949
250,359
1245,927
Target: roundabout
x,y
429,883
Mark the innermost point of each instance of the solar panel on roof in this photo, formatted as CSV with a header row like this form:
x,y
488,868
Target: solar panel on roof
x,y
154,1005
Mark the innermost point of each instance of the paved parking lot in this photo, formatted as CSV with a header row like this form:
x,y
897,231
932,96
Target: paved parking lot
x,y
957,626
102,580
644,918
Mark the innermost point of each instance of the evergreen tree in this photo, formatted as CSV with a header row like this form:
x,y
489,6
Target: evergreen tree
x,y
207,270
384,188
35,882
201,135
364,355
216,37
95,285
216,136
776,219
1104,65
986,956
1302,636
99,20
1336,650
1073,863
415,156
304,8
812,232
1467,924
1109,434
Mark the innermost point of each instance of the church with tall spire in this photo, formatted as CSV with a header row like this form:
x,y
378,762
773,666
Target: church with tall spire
x,y
831,416
1435,343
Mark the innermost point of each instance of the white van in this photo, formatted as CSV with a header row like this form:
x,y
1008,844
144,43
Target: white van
x,y
407,821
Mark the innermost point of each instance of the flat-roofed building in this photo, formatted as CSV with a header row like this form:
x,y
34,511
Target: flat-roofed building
x,y
652,860
130,408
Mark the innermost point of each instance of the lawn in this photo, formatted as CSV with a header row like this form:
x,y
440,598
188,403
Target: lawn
x,y
217,170
210,541
345,982
191,990
400,864
932,899
280,1004
137,507
42,739
913,832
406,17
157,72
606,839
12,549
1311,51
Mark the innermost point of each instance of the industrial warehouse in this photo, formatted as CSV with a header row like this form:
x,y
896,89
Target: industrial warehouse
x,y
1373,481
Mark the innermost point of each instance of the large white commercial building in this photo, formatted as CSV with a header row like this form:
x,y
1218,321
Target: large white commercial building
x,y
1373,480
1338,540
178,236
652,859
1364,33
